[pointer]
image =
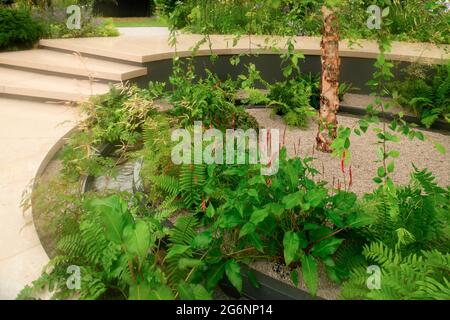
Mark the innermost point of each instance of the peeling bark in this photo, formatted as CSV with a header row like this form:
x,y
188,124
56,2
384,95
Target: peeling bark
x,y
329,98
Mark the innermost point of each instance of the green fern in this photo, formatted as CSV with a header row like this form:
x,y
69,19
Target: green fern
x,y
416,276
192,179
182,234
168,184
425,180
381,254
413,217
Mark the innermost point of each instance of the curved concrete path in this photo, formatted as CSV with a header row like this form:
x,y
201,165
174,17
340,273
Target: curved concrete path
x,y
28,130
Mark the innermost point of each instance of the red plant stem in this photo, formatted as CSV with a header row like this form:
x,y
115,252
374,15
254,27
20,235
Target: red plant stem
x,y
343,162
351,176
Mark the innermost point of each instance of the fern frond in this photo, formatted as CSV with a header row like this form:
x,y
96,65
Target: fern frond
x,y
426,180
183,232
381,254
167,183
430,288
192,179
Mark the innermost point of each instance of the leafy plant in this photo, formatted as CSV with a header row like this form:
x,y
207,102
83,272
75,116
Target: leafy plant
x,y
18,29
54,20
413,218
292,100
410,20
116,118
119,254
287,216
409,235
425,91
207,99
418,276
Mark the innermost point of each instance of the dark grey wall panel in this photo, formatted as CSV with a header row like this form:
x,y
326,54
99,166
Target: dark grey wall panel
x,y
356,71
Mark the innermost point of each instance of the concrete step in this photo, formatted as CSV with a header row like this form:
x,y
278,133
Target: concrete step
x,y
36,85
154,47
118,48
71,64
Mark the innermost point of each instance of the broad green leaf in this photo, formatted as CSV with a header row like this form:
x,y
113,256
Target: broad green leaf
x,y
326,247
292,200
291,244
233,272
137,239
309,273
390,167
176,249
200,292
394,153
256,242
162,293
276,209
359,219
311,226
344,201
247,229
377,180
140,292
253,281
185,291
258,216
420,136
210,211
193,292
335,218
440,148
333,274
253,193
316,196
214,275
381,172
113,212
319,233
202,240
229,220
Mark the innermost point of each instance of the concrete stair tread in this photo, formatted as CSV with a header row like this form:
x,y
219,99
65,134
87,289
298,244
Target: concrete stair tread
x,y
72,64
35,85
156,47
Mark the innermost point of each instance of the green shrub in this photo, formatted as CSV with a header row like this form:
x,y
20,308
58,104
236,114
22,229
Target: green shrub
x,y
421,276
292,100
166,7
18,29
116,117
426,92
408,20
409,242
208,99
55,21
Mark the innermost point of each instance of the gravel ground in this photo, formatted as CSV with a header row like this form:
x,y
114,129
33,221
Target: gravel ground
x,y
363,153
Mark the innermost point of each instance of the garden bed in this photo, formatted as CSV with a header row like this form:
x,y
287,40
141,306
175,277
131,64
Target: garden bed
x,y
275,278
149,222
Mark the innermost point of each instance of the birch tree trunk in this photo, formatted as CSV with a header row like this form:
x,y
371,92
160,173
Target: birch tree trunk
x,y
329,98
